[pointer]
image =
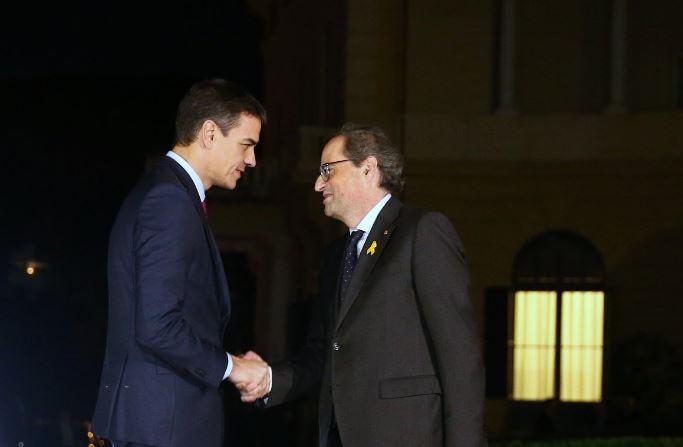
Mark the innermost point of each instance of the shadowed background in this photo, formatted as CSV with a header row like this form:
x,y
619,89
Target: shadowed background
x,y
550,133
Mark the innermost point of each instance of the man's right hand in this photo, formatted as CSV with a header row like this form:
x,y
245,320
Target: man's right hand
x,y
251,376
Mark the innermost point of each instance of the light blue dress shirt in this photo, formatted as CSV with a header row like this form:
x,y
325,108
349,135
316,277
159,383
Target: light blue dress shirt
x,y
191,172
368,221
365,225
202,196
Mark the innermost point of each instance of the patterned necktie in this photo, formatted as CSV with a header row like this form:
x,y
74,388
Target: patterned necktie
x,y
205,208
349,262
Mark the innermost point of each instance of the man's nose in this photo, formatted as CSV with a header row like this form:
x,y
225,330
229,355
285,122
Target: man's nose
x,y
250,159
319,184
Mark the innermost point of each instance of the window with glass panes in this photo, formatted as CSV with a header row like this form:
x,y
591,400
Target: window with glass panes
x,y
557,336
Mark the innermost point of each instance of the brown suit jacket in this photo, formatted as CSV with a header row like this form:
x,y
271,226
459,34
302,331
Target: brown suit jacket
x,y
399,362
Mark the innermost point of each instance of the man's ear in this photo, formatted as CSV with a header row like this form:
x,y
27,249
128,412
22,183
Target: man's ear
x,y
207,133
370,165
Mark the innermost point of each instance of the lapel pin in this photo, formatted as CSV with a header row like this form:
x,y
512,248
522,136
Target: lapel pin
x,y
386,232
371,250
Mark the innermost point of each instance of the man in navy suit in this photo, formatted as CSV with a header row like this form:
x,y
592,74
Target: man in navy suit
x,y
168,295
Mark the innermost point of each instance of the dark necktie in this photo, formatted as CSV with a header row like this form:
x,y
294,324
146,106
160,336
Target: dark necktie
x,y
349,262
205,208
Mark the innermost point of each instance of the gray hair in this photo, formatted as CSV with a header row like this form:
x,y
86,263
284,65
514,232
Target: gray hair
x,y
362,142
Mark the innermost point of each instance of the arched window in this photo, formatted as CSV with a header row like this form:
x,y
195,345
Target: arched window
x,y
558,319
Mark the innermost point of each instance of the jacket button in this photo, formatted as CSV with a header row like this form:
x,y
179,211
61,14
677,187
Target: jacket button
x,y
336,346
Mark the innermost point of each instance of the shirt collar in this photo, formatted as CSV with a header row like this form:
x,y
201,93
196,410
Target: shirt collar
x,y
191,172
369,220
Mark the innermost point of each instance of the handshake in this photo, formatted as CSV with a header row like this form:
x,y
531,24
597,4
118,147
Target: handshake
x,y
251,376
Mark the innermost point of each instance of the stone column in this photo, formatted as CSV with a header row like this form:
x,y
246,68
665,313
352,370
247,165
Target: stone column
x,y
617,84
507,100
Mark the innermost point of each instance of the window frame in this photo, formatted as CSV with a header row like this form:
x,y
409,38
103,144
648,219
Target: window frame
x,y
559,289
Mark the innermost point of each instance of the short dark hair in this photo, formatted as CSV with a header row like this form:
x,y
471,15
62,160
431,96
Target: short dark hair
x,y
217,100
361,142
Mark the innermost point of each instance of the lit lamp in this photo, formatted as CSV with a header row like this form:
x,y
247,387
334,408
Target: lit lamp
x,y
33,267
93,440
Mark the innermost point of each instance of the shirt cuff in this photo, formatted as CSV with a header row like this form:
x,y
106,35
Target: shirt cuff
x,y
266,398
228,370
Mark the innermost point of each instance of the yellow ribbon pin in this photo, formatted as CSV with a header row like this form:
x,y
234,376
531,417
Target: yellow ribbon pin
x,y
371,250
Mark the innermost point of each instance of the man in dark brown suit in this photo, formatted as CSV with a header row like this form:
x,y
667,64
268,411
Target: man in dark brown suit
x,y
394,345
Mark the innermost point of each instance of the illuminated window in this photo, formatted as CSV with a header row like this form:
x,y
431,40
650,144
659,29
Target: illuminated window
x,y
581,346
679,85
558,320
534,345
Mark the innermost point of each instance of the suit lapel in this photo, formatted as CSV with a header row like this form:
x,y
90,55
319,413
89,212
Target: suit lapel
x,y
332,277
219,272
372,250
187,183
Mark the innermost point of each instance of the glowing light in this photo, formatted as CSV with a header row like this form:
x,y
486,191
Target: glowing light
x,y
582,346
90,434
30,270
534,345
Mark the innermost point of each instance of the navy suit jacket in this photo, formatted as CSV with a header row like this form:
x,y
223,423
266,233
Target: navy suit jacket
x,y
168,307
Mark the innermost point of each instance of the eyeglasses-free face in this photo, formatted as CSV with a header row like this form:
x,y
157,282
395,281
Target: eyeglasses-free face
x,y
326,169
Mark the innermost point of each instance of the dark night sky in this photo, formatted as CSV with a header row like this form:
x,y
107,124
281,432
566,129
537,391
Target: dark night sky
x,y
87,91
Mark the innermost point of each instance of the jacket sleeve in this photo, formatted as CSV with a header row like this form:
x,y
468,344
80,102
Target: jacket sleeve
x,y
303,371
163,251
441,281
